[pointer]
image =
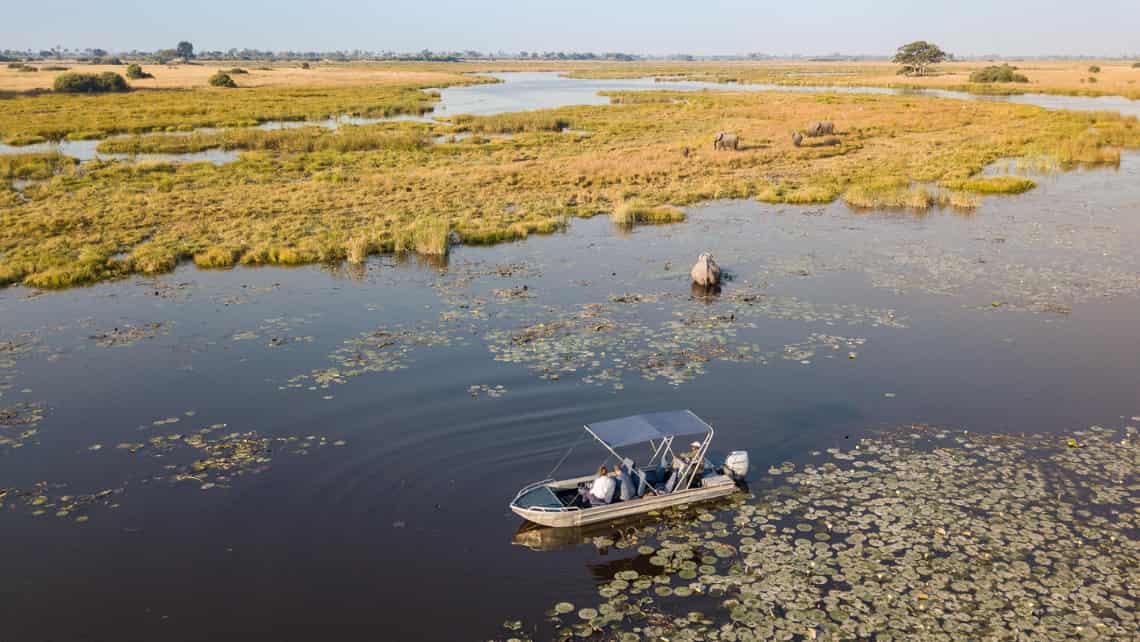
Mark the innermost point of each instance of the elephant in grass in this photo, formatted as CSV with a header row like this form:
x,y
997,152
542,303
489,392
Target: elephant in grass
x,y
725,140
821,128
797,139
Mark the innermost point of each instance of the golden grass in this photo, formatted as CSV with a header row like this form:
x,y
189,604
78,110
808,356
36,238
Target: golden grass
x,y
634,211
305,201
994,185
55,116
889,192
346,138
1064,77
34,165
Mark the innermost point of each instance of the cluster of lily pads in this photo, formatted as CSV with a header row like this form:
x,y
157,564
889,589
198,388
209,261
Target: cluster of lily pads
x,y
18,424
602,342
381,350
919,533
492,392
128,334
211,457
278,331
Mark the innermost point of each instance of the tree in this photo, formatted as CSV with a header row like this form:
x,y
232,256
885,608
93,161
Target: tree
x,y
917,57
185,50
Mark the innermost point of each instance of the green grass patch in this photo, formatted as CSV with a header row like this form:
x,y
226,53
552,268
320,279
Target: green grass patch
x,y
993,185
34,166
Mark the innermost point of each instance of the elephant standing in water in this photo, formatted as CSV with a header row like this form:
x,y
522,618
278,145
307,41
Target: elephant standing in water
x,y
706,273
725,140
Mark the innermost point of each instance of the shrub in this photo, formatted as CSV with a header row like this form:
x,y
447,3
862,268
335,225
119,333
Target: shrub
x,y
26,68
222,79
135,72
54,68
73,83
16,65
1092,78
107,60
1094,69
306,65
998,73
1136,65
236,71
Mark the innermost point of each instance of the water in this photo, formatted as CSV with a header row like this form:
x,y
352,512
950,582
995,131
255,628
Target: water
x,y
521,91
1018,317
85,150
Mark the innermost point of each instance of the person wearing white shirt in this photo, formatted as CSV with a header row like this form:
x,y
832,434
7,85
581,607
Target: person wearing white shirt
x,y
602,490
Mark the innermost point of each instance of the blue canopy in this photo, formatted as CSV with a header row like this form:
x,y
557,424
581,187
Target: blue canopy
x,y
639,429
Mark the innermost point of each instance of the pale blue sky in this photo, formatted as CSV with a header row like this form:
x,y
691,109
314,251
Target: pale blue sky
x,y
965,27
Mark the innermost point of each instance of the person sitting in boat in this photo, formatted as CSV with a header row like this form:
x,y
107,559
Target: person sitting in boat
x,y
681,463
601,491
631,479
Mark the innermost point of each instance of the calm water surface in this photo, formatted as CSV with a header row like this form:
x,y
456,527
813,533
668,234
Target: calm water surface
x,y
1019,317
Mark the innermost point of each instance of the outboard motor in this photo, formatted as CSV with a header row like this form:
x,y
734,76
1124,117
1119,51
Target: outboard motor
x,y
736,464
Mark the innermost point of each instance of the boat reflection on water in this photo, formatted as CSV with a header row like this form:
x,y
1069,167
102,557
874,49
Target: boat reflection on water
x,y
631,531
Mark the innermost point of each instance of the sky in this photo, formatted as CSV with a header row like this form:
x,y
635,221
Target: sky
x,y
963,27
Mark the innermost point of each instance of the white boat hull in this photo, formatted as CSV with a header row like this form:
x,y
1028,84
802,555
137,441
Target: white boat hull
x,y
714,488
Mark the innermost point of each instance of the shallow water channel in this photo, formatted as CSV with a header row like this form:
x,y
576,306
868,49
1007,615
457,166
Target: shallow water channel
x,y
277,454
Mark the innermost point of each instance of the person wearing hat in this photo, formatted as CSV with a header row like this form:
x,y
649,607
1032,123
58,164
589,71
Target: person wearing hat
x,y
681,463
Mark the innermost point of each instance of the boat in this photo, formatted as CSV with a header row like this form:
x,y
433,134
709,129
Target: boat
x,y
666,479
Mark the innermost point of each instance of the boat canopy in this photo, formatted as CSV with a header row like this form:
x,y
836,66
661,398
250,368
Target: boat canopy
x,y
639,429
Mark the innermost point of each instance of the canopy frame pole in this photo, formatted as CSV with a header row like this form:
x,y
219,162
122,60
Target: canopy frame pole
x,y
574,445
691,470
603,443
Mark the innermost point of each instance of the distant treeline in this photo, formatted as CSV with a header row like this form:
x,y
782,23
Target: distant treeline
x,y
185,51
166,55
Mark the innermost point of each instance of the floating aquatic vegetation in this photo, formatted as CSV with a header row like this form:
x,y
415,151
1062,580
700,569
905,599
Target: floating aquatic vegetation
x,y
517,292
278,331
128,334
18,424
53,499
918,533
494,392
602,343
382,350
805,350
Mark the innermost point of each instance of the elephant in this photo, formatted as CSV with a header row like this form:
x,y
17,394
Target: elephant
x,y
797,139
706,272
821,128
725,140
